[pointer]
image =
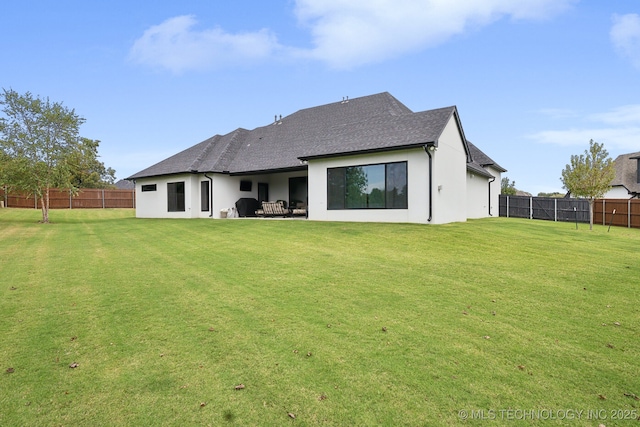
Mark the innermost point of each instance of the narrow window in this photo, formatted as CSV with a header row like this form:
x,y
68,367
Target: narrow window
x,y
204,196
175,196
149,187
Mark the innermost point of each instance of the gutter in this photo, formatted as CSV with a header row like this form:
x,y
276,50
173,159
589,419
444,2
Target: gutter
x,y
489,185
210,194
429,148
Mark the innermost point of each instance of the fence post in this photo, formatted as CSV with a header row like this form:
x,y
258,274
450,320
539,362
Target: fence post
x,y
70,200
531,207
555,210
507,206
103,198
629,213
604,210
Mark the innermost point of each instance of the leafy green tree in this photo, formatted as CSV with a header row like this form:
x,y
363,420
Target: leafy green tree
x,y
37,139
87,170
508,187
589,175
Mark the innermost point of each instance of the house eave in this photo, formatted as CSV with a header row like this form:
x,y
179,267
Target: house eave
x,y
269,171
369,151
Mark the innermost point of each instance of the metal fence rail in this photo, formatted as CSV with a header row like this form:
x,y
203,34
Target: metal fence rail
x,y
627,211
87,198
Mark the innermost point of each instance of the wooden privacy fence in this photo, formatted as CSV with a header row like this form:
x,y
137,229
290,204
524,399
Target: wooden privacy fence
x,y
627,211
87,198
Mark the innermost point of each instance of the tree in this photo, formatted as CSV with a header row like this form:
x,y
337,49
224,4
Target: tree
x,y
37,139
589,175
554,195
87,171
507,187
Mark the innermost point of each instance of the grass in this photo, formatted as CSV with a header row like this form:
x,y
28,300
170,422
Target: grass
x,y
335,323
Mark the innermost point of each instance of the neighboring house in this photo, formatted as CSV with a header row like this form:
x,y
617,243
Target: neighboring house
x,y
123,184
363,159
626,184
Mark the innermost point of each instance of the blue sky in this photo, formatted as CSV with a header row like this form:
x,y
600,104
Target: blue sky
x,y
533,80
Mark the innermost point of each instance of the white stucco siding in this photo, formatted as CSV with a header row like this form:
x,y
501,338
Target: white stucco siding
x,y
495,192
477,196
483,194
154,204
226,191
417,188
450,177
617,192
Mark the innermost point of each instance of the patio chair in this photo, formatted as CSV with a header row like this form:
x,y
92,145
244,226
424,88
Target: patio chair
x,y
272,209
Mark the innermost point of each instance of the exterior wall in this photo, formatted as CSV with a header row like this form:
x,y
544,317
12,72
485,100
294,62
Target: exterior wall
x,y
495,191
477,196
153,204
417,188
450,177
226,191
483,196
617,192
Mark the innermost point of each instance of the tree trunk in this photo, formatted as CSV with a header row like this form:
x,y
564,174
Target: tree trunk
x,y
44,202
591,201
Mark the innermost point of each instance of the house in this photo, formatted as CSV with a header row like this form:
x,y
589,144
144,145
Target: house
x,y
626,184
364,159
123,184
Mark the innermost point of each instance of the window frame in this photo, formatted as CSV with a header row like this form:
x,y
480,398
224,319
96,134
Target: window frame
x,y
205,196
338,185
175,198
148,187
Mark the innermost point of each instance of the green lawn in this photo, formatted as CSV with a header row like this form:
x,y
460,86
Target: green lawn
x,y
335,323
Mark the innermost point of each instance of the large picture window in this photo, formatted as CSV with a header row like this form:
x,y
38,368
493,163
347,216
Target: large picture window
x,y
175,196
379,186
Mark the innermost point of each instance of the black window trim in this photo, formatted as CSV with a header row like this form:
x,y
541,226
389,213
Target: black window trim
x,y
180,205
385,164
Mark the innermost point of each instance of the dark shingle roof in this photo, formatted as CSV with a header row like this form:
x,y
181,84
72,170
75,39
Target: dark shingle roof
x,y
479,161
370,123
627,172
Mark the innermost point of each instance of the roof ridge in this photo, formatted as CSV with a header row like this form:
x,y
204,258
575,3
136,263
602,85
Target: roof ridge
x,y
231,148
204,153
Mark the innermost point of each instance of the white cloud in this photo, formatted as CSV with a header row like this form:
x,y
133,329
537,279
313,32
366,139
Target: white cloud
x,y
625,36
344,33
177,46
349,33
619,115
617,129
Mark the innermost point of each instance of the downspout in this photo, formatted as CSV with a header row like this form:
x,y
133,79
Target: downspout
x,y
427,149
210,194
490,181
